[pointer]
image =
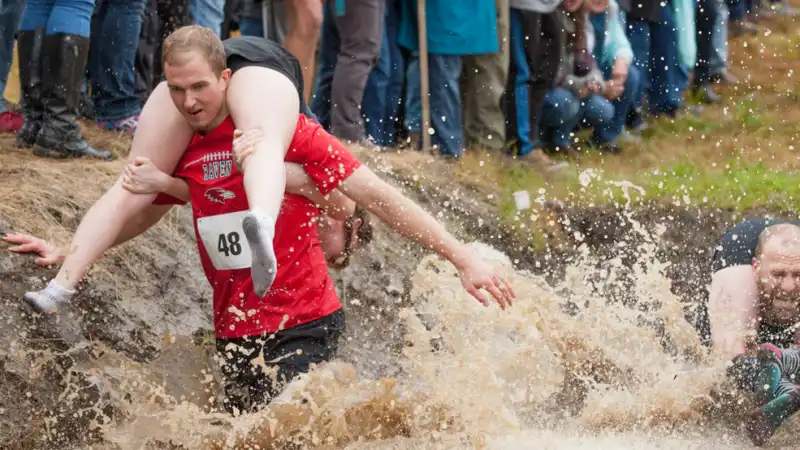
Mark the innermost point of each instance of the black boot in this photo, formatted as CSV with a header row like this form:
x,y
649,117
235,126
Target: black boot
x,y
29,47
64,59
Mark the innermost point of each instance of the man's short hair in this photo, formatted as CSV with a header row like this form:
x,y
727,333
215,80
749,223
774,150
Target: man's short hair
x,y
195,38
787,232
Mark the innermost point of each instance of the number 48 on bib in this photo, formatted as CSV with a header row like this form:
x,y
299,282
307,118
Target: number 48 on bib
x,y
223,239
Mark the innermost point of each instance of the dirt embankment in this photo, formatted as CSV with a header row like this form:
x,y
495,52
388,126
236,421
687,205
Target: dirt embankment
x,y
152,289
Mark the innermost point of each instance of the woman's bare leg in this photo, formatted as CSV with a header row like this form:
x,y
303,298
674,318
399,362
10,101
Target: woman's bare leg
x,y
305,24
162,135
265,100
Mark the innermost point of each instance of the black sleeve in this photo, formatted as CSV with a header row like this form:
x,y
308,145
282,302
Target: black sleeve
x,y
738,246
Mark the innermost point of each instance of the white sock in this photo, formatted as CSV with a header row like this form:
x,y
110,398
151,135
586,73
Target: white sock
x,y
50,298
259,229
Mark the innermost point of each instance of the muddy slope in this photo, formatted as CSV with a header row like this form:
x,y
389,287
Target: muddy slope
x,y
134,316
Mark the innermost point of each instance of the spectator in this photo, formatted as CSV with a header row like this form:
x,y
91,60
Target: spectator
x,y
10,15
536,39
455,29
116,27
383,90
610,47
161,18
483,80
53,50
350,46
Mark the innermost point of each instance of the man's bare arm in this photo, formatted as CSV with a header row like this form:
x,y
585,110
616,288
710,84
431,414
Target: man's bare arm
x,y
408,219
335,205
733,309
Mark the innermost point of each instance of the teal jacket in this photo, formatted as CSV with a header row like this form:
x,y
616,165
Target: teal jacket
x,y
455,27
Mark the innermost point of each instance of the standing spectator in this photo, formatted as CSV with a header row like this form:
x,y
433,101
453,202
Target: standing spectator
x,y
10,15
381,96
455,29
351,42
483,81
116,28
536,40
719,56
53,51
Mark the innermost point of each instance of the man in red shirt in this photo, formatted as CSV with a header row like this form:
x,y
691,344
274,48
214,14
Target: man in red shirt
x,y
300,319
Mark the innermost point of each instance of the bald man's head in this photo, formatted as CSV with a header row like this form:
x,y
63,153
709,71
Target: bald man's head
x,y
777,270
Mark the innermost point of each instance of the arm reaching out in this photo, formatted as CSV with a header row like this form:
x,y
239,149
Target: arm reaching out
x,y
408,219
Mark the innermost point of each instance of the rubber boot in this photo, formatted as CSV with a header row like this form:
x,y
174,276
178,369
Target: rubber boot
x,y
29,49
64,58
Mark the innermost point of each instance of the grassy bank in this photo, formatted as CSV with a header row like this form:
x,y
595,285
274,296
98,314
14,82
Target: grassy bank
x,y
739,155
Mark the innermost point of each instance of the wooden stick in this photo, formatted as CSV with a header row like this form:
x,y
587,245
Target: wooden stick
x,y
423,75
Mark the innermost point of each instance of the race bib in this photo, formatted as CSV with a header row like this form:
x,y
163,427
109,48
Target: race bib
x,y
224,241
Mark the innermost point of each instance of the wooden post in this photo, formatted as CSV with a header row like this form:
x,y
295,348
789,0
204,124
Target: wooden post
x,y
423,75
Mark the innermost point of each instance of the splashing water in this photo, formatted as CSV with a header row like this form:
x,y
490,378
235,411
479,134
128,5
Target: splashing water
x,y
583,364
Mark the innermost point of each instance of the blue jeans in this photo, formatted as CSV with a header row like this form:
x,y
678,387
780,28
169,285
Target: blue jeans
x,y
385,85
738,9
251,27
445,101
563,112
719,41
58,16
655,53
208,13
115,36
10,16
608,131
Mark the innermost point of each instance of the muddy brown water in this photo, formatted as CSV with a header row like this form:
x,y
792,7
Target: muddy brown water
x,y
598,351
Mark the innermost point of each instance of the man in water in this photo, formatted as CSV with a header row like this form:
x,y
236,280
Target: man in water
x,y
755,288
264,343
753,314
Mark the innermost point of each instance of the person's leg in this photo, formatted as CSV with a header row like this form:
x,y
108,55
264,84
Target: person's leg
x,y
29,52
208,14
305,19
518,106
664,95
608,132
706,16
360,29
112,69
413,104
445,71
376,104
638,32
10,16
598,112
328,53
65,51
486,77
560,115
719,41
251,88
162,136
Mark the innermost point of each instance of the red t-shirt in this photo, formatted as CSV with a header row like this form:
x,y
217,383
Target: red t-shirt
x,y
303,291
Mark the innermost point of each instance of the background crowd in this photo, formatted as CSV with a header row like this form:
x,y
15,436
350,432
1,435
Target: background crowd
x,y
519,77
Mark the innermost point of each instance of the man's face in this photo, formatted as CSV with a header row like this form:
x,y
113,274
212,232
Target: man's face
x,y
778,278
197,91
334,242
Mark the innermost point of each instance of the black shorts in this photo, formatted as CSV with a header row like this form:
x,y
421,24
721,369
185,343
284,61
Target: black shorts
x,y
286,354
247,51
737,247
